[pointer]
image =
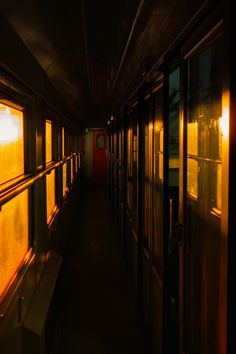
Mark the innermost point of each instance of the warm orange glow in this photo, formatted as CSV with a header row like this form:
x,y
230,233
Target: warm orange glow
x,y
150,126
48,141
13,237
174,162
51,201
161,169
11,143
64,178
10,124
161,140
224,123
192,177
193,138
158,126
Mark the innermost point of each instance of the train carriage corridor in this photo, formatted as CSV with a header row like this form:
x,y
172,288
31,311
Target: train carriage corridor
x,y
117,177
100,312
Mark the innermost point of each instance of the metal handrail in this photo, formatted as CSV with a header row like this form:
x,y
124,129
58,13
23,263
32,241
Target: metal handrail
x,y
30,180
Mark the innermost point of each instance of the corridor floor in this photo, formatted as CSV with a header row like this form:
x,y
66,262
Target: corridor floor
x,y
100,316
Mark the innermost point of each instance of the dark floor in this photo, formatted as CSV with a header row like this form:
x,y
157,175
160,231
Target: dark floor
x,y
101,316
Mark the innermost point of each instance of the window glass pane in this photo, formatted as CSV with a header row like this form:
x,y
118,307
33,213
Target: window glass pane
x,y
13,237
192,178
48,141
173,106
101,141
204,130
204,189
51,202
11,143
64,178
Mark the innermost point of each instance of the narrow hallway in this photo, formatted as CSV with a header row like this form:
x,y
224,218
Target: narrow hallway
x,y
100,315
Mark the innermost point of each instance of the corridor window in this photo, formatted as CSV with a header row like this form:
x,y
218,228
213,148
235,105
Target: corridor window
x,y
50,179
11,143
14,236
51,201
48,140
14,242
64,173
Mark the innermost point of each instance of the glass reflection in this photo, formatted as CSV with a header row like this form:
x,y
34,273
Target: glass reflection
x,y
13,237
11,143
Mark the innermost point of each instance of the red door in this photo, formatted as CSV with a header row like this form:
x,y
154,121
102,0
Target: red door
x,y
100,139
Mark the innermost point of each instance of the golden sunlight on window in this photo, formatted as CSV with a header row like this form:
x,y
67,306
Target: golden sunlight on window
x,y
51,201
192,177
193,138
64,178
48,141
160,154
219,186
11,143
13,237
224,122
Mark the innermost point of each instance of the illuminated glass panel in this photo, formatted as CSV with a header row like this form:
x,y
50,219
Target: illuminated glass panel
x,y
13,237
11,143
173,108
219,186
192,177
48,141
193,138
192,165
204,190
51,202
64,178
160,153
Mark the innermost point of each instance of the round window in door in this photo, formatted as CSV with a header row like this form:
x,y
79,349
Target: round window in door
x,y
101,141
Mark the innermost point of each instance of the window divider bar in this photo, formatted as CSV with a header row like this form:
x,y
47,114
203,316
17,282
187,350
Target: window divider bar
x,y
30,180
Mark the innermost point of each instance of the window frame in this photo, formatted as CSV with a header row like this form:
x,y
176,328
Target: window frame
x,y
14,95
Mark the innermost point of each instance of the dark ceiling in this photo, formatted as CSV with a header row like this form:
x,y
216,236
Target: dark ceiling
x,y
84,46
